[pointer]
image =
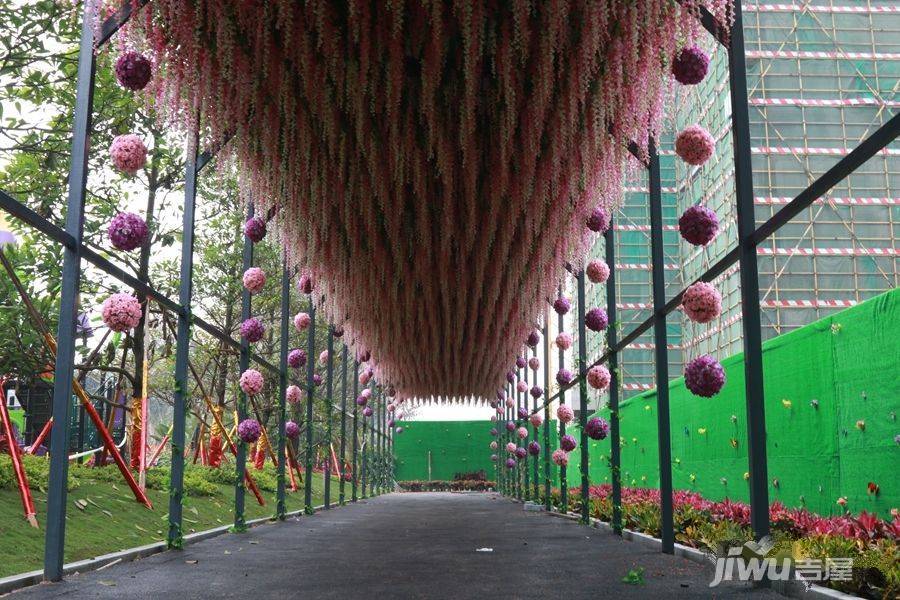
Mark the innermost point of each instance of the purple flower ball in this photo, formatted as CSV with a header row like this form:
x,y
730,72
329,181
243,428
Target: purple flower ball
x,y
704,376
520,362
510,426
596,319
698,225
501,395
522,412
252,330
533,339
127,231
562,305
291,430
537,391
597,428
317,380
390,422
255,229
511,377
494,458
521,452
296,358
133,70
567,443
361,400
494,431
690,65
368,412
510,463
534,448
249,430
598,221
564,377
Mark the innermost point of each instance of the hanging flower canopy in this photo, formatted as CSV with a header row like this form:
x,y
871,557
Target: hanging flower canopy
x,y
433,164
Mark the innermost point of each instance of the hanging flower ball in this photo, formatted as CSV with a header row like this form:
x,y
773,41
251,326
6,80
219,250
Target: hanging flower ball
x,y
501,395
533,339
521,453
522,387
362,400
564,377
363,355
293,394
121,312
494,445
695,145
253,330
511,377
511,447
255,229
494,458
399,430
306,284
493,418
704,376
522,412
510,463
254,280
599,377
565,413
133,70
690,65
597,428
368,412
366,376
249,430
537,391
494,431
534,363
510,403
391,408
510,426
560,458
520,362
291,430
317,380
567,443
596,319
127,231
522,432
323,357
564,341
597,271
296,358
302,321
536,419
534,448
251,382
562,305
702,302
598,222
128,153
698,225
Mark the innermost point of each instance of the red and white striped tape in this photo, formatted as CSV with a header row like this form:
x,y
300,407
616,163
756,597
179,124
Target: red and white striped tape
x,y
761,200
637,387
823,54
763,303
815,151
821,9
835,102
828,251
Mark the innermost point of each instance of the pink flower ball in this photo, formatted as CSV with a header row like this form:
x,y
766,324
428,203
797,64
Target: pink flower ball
x,y
253,330
291,430
704,376
366,393
121,312
296,358
598,221
127,231
597,271
537,391
251,382
494,445
534,363
254,280
493,418
565,413
368,412
522,387
702,302
599,377
695,145
564,341
323,357
365,376
128,153
510,403
307,283
255,229
302,321
560,458
536,419
133,70
522,433
293,394
510,447
596,319
568,443
533,339
249,430
317,380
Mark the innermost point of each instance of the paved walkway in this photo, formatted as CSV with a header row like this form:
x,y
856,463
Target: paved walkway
x,y
405,546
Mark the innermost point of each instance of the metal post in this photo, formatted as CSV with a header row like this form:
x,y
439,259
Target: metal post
x,y
661,353
515,439
329,389
174,538
563,480
614,439
546,448
535,495
244,362
746,225
526,492
372,451
282,385
310,395
583,404
343,472
355,483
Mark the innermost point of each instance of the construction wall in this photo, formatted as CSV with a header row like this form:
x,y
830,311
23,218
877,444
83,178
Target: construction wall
x,y
449,447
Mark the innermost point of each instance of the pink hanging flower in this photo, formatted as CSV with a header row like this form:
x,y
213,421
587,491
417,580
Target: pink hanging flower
x,y
133,70
510,376
522,412
510,447
567,443
127,231
597,428
510,463
565,413
296,358
510,426
306,284
368,412
291,430
562,305
704,376
252,382
323,357
536,419
128,153
522,432
534,363
564,341
690,65
564,377
255,229
121,312
560,458
293,394
493,418
522,387
510,403
596,319
695,145
599,377
598,221
597,271
302,321
366,393
254,280
249,430
702,302
253,330
317,379
698,225
494,445
365,376
521,453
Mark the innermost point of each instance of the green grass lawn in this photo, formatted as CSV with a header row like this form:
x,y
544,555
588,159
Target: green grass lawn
x,y
104,517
